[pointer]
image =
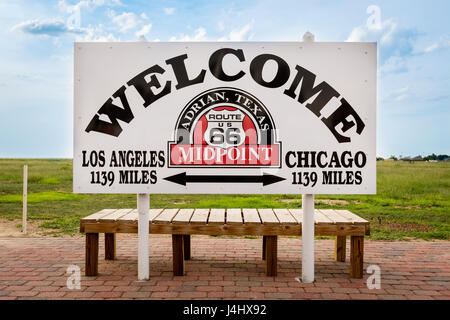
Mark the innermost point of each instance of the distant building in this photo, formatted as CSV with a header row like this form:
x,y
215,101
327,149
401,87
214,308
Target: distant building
x,y
418,158
405,159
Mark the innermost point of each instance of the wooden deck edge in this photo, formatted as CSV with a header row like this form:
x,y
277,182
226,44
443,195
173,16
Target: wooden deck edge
x,y
82,226
259,230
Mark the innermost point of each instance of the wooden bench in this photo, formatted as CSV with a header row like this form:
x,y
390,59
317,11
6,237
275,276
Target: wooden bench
x,y
269,223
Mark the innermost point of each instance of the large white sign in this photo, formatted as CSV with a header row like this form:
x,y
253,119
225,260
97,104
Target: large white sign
x,y
225,117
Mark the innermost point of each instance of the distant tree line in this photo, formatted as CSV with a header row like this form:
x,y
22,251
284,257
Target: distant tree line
x,y
433,156
436,157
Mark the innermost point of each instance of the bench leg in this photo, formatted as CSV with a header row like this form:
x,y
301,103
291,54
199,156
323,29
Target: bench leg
x,y
356,256
91,258
178,255
271,256
339,248
187,246
264,248
110,246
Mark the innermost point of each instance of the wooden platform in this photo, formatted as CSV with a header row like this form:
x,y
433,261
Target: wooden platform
x,y
227,222
269,223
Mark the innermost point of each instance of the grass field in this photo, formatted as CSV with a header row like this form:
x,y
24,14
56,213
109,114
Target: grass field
x,y
412,201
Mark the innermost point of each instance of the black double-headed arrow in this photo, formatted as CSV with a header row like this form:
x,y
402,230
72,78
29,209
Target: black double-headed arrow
x,y
183,178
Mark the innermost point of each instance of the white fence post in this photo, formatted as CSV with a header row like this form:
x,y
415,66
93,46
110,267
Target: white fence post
x,y
308,238
24,199
143,205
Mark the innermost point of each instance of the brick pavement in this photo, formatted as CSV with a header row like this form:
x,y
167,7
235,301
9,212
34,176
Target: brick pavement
x,y
221,268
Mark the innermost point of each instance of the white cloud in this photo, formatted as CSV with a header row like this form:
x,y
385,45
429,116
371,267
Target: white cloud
x,y
444,42
126,21
89,4
129,20
169,11
357,34
199,35
238,34
144,30
394,65
241,34
393,41
384,32
400,94
432,47
74,20
56,28
64,6
97,34
49,27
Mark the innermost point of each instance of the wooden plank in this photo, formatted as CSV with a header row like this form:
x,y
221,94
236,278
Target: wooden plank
x,y
153,214
110,246
271,256
91,258
321,218
239,230
183,216
264,247
134,215
114,216
297,214
284,216
178,254
339,248
234,216
268,217
351,216
187,246
216,216
200,216
130,216
367,226
333,216
165,217
99,214
356,256
251,216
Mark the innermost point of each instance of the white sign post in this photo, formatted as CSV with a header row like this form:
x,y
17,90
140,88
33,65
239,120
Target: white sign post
x,y
225,118
143,206
308,221
308,238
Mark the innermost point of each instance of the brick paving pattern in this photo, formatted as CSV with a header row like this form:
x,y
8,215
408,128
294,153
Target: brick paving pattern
x,y
221,268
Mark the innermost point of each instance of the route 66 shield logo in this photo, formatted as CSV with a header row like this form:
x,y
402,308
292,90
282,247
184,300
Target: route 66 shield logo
x,y
224,127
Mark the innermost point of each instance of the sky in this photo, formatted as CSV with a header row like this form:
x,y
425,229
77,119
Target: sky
x,y
36,58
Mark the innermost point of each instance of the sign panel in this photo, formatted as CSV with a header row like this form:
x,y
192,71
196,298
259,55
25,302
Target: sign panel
x,y
212,117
